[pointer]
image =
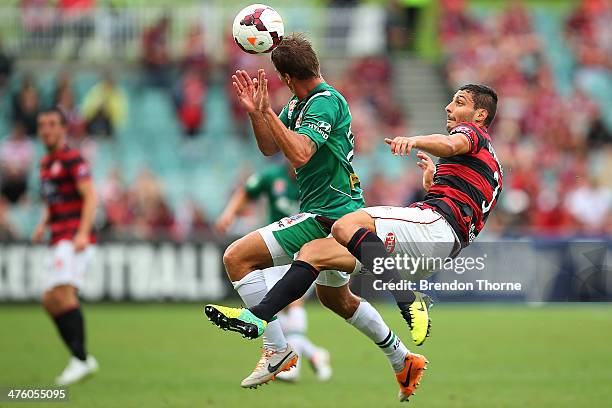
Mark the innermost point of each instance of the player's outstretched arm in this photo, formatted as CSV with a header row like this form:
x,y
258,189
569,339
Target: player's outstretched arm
x,y
438,145
236,204
246,91
296,147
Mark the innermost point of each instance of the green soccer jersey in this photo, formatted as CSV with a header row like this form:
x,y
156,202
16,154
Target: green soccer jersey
x,y
279,187
328,185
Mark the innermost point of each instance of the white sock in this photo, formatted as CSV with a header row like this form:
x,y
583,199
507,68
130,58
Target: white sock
x,y
252,289
368,321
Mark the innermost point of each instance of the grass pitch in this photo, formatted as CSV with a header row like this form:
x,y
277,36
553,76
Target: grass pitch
x,y
486,355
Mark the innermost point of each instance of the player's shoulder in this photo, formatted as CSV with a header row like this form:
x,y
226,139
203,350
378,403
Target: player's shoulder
x,y
466,128
469,128
70,155
328,98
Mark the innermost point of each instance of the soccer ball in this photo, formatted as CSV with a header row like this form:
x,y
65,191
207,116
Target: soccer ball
x,y
258,29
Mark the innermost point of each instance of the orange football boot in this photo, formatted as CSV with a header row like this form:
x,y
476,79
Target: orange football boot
x,y
410,377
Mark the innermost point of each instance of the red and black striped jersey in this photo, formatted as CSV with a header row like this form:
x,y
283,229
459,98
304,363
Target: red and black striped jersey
x,y
59,173
466,187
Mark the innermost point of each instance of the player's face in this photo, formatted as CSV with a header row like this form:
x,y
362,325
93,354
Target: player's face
x,y
286,79
460,109
51,130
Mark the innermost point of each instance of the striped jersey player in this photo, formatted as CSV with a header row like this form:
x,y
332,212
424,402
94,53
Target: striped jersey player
x,y
466,186
69,211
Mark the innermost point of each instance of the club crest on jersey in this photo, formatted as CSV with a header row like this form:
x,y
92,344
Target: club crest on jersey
x,y
390,242
56,168
292,105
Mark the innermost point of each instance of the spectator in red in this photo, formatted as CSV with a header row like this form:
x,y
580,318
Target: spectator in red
x,y
155,53
189,98
117,204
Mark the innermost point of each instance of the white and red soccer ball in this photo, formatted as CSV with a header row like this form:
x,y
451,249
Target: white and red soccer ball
x,y
258,29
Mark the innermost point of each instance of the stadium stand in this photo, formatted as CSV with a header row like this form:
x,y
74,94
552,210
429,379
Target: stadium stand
x,y
173,146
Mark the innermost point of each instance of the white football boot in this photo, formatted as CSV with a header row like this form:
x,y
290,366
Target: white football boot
x,y
270,364
76,370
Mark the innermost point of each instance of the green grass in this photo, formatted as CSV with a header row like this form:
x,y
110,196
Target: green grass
x,y
170,356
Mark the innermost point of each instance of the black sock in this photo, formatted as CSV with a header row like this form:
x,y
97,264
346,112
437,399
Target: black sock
x,y
291,287
71,328
366,246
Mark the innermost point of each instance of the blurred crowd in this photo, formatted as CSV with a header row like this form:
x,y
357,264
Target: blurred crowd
x,y
556,148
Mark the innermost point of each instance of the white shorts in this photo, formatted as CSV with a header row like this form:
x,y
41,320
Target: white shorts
x,y
416,232
64,266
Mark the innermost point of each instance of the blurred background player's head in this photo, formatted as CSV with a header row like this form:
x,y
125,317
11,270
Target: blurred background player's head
x,y
472,103
295,60
52,128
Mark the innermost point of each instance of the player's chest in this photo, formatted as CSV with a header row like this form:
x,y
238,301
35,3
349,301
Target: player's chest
x,y
54,177
54,171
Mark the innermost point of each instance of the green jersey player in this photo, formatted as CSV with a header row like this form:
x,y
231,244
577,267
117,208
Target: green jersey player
x,y
278,185
313,132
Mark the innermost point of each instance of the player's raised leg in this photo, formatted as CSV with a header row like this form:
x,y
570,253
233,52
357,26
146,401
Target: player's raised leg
x,y
357,232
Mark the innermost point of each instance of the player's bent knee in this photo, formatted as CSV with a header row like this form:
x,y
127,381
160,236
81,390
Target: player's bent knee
x,y
48,302
311,252
231,260
343,230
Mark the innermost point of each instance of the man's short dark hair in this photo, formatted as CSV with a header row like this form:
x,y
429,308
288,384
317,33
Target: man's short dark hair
x,y
484,98
55,110
296,57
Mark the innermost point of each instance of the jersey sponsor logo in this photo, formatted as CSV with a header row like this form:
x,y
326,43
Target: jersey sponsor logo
x,y
322,128
390,242
296,217
290,220
292,105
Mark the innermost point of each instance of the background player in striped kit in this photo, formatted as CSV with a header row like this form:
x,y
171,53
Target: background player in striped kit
x,y
70,206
